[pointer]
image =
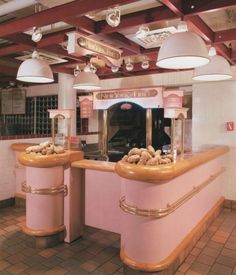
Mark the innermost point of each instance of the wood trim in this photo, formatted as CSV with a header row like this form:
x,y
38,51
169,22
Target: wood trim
x,y
97,165
20,147
20,196
180,249
42,232
165,172
41,161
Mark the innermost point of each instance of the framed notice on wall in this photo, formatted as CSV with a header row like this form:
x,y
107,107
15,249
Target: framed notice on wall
x,y
86,106
13,102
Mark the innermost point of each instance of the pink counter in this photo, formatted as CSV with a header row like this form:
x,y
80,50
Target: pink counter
x,y
160,218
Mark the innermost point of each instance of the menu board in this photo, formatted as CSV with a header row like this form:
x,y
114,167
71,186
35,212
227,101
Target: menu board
x,y
86,106
13,101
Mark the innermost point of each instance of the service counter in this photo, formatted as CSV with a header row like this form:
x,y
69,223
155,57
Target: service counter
x,y
159,211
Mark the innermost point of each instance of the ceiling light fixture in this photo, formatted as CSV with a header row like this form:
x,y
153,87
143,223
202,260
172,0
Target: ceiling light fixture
x,y
129,65
145,64
77,70
218,69
113,17
87,79
182,50
36,35
35,70
142,32
114,69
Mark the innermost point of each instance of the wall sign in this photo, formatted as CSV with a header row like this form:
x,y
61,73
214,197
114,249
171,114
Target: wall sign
x,y
79,45
145,97
13,101
86,106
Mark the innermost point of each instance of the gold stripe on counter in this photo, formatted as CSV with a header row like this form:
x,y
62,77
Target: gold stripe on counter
x,y
44,191
162,212
179,253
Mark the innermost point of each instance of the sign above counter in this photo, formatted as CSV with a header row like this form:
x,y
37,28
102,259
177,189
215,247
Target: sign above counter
x,y
145,97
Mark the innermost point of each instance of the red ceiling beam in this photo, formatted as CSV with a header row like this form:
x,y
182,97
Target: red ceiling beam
x,y
195,7
197,25
225,36
54,38
233,55
14,49
225,52
82,23
59,13
8,70
21,38
57,49
175,6
153,15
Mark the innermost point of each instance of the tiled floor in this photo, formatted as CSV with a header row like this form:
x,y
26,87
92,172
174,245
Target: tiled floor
x,y
98,251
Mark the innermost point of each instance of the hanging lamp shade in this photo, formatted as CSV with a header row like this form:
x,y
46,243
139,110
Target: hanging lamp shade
x,y
35,70
182,50
86,81
217,69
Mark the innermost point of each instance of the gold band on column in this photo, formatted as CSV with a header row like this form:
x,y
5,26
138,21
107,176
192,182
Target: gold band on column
x,y
44,191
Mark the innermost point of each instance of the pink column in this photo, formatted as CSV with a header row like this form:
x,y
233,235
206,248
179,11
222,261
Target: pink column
x,y
44,211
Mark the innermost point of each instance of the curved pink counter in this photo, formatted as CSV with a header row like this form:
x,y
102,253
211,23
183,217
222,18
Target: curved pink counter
x,y
45,190
160,212
170,206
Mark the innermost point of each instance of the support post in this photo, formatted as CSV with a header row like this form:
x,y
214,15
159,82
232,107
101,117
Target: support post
x,y
148,127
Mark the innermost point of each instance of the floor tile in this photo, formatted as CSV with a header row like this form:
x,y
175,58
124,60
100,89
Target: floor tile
x,y
97,252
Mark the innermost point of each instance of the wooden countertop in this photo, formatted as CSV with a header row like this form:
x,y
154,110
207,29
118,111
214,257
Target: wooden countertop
x,y
20,147
98,165
41,161
160,173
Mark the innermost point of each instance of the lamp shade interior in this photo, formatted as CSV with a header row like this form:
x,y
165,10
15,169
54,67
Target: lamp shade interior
x,y
217,69
183,50
86,81
35,70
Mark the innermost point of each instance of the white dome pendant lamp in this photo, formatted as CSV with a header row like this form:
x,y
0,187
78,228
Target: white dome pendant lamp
x,y
218,69
35,70
182,50
87,79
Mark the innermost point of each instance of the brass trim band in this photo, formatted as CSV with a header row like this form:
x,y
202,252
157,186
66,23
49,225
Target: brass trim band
x,y
45,191
181,250
162,212
42,232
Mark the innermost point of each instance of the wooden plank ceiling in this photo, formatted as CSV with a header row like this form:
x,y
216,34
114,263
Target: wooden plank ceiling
x,y
213,20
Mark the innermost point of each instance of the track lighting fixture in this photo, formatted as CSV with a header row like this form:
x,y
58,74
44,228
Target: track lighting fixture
x,y
36,35
113,17
77,70
142,32
145,64
129,66
114,69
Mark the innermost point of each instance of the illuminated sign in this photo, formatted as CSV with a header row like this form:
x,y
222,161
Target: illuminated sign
x,y
126,94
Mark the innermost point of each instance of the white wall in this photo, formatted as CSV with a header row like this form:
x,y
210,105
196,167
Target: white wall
x,y
7,166
213,105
